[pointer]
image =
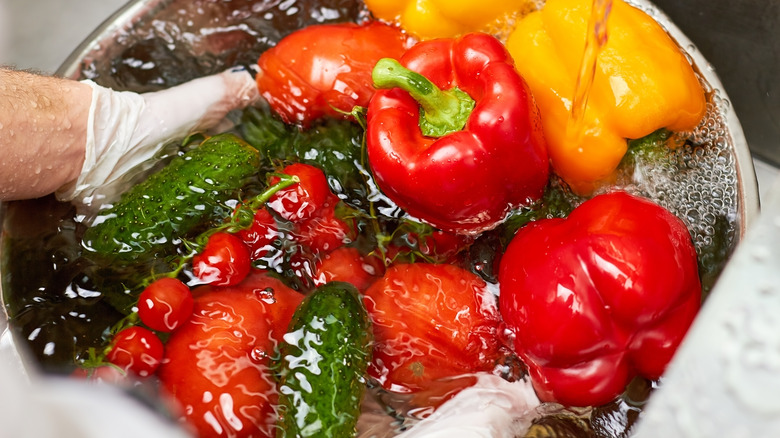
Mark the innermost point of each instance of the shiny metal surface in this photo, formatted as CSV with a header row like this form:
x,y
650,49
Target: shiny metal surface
x,y
741,39
725,378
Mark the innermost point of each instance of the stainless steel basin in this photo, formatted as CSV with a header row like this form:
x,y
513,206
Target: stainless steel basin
x,y
112,58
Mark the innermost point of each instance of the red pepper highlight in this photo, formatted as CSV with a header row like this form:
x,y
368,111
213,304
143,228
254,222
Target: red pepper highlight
x,y
599,297
454,137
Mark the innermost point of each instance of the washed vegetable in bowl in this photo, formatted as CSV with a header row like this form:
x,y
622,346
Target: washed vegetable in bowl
x,y
599,297
320,267
643,82
455,141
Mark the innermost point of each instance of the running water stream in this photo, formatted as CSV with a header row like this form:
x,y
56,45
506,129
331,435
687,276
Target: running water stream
x,y
595,40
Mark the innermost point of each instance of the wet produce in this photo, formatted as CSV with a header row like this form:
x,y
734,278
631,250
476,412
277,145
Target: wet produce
x,y
187,193
643,82
612,297
322,363
456,141
393,225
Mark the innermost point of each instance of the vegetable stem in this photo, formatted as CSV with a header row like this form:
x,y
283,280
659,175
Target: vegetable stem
x,y
441,111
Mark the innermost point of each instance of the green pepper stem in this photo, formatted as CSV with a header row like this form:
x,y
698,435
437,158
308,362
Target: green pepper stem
x,y
442,111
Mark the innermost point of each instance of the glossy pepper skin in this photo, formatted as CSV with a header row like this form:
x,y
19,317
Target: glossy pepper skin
x,y
643,82
599,297
428,19
467,178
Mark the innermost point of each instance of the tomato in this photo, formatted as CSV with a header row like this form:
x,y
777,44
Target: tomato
x,y
324,233
430,321
224,261
325,69
136,350
165,304
347,264
260,236
436,246
443,245
216,365
303,200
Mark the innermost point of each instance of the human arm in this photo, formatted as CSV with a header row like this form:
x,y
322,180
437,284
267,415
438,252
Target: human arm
x,y
86,137
43,130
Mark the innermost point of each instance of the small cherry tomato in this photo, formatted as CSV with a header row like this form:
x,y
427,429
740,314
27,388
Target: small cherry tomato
x,y
165,304
324,233
303,200
137,350
260,236
325,69
223,262
347,264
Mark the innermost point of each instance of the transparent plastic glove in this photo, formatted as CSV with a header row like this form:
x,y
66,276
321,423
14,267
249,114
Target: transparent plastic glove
x,y
35,405
126,128
493,408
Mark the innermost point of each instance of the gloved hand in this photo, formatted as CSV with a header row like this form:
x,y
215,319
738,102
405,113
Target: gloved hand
x,y
492,408
126,128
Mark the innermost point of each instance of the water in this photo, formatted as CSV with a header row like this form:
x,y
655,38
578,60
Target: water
x,y
595,39
187,39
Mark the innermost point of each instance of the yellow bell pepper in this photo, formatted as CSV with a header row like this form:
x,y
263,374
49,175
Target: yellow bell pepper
x,y
643,82
428,19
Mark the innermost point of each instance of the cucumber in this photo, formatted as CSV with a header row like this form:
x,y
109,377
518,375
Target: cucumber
x,y
189,191
322,363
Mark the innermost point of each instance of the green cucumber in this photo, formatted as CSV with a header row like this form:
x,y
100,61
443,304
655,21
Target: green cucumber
x,y
188,192
322,363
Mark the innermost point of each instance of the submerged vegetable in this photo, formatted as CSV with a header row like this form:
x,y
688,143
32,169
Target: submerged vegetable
x,y
433,321
428,19
455,138
325,69
332,145
599,297
643,82
217,365
187,193
430,321
323,359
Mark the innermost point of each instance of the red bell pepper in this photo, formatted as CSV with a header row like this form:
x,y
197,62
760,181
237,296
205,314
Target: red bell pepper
x,y
454,136
599,297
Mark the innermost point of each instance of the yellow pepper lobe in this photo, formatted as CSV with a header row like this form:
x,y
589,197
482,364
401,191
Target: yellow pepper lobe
x,y
428,19
643,82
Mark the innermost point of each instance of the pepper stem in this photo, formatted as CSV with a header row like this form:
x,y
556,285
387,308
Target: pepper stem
x,y
441,111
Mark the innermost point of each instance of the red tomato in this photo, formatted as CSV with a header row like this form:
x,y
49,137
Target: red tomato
x,y
136,350
323,233
303,200
435,247
321,70
260,236
430,321
225,261
165,304
216,365
347,264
